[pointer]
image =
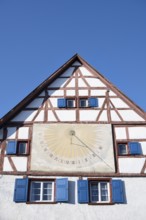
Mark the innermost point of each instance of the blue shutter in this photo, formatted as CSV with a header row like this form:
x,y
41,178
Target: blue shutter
x,y
62,190
83,191
135,148
118,191
93,102
21,190
61,103
11,147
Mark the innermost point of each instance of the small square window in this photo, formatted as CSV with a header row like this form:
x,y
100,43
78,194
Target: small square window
x,y
122,149
22,148
83,103
70,103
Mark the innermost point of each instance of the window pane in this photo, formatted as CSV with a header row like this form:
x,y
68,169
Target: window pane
x,y
47,191
22,148
104,191
35,191
70,103
122,149
83,103
94,192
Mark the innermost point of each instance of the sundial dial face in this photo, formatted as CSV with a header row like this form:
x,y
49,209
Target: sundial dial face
x,y
72,148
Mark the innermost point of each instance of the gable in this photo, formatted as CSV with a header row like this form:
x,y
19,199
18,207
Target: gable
x,y
75,80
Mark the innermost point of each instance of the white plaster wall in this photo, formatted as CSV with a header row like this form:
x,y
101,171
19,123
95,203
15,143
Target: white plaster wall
x,y
54,102
40,116
88,115
7,165
71,83
120,133
20,163
103,116
11,132
131,165
130,115
81,83
143,146
118,103
58,82
98,92
137,132
83,92
134,209
68,72
114,116
70,92
95,82
85,72
51,116
36,103
66,115
56,92
25,116
23,133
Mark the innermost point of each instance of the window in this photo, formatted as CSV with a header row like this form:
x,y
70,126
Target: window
x,y
99,192
42,191
17,147
82,102
129,148
70,103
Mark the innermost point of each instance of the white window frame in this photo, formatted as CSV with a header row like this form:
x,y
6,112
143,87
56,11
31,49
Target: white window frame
x,y
41,191
99,183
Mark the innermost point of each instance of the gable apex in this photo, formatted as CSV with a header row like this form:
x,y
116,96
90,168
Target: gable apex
x,y
73,63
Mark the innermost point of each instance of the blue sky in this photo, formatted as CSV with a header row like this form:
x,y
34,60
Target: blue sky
x,y
38,36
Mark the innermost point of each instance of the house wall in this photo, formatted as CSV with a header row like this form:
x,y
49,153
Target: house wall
x,y
133,209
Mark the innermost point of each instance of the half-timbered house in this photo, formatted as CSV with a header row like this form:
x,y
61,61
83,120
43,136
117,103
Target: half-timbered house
x,y
74,148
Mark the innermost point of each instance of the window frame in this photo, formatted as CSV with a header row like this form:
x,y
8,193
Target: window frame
x,y
99,181
41,200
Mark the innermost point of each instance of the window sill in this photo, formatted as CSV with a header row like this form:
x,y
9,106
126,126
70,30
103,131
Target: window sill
x,y
33,203
105,203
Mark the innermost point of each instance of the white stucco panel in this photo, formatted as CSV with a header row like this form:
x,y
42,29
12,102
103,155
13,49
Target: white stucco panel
x,y
95,82
130,115
137,132
119,103
11,132
111,93
70,92
66,115
100,102
103,116
40,116
68,72
88,115
59,82
114,116
51,116
120,133
71,83
131,165
83,92
57,92
98,92
7,165
81,83
20,163
25,116
143,147
85,71
53,102
36,103
23,133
